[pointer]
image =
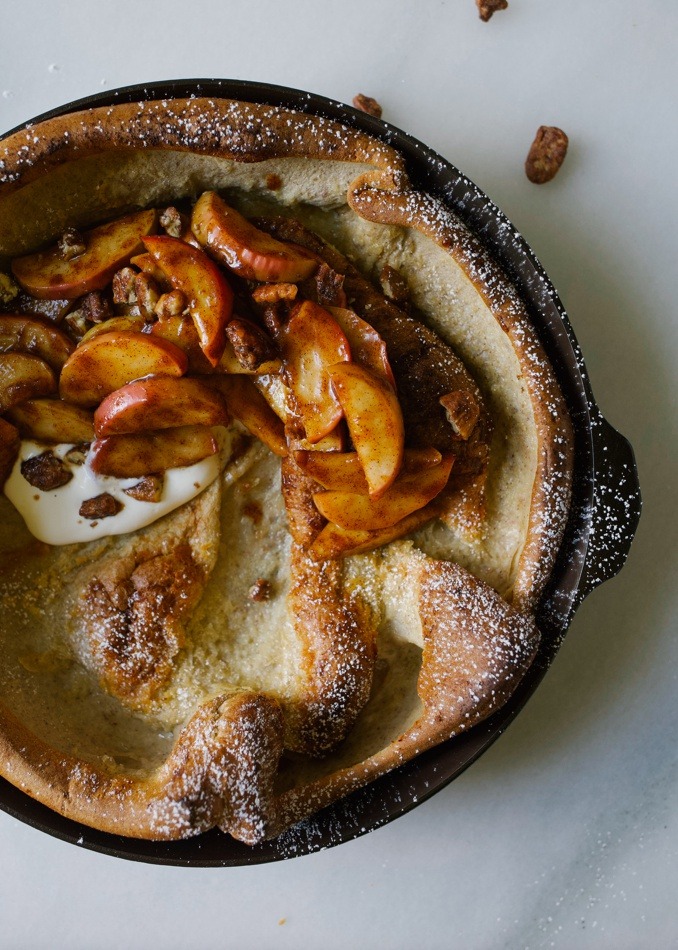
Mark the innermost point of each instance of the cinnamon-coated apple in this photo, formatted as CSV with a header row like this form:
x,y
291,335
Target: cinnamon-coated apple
x,y
375,422
342,471
126,324
10,443
159,402
367,347
52,420
335,542
23,376
313,343
147,265
246,404
111,360
246,250
181,332
145,453
359,512
52,276
31,335
209,296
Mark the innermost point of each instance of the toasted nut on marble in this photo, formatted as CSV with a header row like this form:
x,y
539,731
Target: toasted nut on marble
x,y
487,7
46,472
546,154
367,104
101,506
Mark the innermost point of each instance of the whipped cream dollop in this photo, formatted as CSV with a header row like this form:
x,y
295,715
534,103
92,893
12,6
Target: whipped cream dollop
x,y
53,516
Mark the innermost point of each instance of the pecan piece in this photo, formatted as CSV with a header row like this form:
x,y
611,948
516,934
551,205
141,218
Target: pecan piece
x,y
171,304
271,293
394,286
462,410
147,295
173,222
77,325
46,472
78,454
71,244
251,345
547,153
95,307
149,488
8,289
487,7
261,590
123,286
101,506
367,104
330,287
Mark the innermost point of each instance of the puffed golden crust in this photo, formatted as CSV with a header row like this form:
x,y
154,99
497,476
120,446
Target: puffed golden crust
x,y
235,762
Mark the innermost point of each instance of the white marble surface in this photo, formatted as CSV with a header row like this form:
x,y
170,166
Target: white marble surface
x,y
565,833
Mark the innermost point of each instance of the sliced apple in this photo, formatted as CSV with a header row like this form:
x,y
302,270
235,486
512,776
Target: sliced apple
x,y
209,296
51,420
23,376
182,333
336,542
358,512
147,265
375,422
51,276
126,324
107,362
335,441
367,347
246,404
246,250
30,335
10,443
312,343
159,402
146,453
342,471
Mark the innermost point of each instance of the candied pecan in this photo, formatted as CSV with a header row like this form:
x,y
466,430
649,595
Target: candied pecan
x,y
487,7
147,294
101,506
71,244
260,590
46,471
462,410
148,488
95,307
173,222
270,293
78,454
547,153
394,286
251,345
171,304
8,289
123,286
273,182
76,323
367,104
330,287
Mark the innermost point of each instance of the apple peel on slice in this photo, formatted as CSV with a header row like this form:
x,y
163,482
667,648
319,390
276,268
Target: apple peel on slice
x,y
367,347
375,423
209,295
22,377
50,276
359,512
51,420
30,335
111,360
335,542
342,471
146,453
159,402
312,344
243,248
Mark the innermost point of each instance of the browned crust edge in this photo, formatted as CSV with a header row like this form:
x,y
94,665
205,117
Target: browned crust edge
x,y
204,783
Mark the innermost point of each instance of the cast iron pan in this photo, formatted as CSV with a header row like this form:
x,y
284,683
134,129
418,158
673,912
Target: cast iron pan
x,y
605,511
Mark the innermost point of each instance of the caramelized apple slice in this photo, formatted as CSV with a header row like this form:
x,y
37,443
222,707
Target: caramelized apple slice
x,y
209,296
126,324
407,494
314,342
49,275
10,443
246,250
181,332
375,422
160,402
342,471
30,335
23,377
367,347
248,406
147,265
335,542
107,362
145,453
51,420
